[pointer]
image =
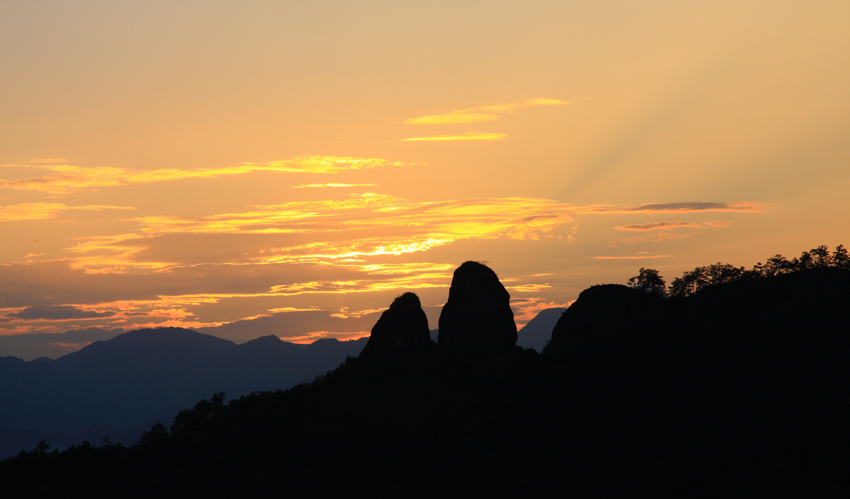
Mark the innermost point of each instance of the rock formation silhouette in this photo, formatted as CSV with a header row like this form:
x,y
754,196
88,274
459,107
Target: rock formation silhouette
x,y
607,320
477,322
402,329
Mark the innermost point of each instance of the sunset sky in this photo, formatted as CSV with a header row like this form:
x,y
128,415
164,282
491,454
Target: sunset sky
x,y
288,168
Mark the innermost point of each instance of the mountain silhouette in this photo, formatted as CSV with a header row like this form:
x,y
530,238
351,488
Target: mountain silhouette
x,y
150,373
538,331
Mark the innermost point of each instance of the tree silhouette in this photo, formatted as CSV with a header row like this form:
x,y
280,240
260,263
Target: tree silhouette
x,y
840,258
155,436
649,280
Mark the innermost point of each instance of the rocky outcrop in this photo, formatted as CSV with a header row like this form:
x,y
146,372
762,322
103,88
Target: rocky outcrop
x,y
477,321
607,320
402,329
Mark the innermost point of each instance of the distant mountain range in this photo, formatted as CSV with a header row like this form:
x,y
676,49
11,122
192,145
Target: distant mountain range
x,y
538,331
144,376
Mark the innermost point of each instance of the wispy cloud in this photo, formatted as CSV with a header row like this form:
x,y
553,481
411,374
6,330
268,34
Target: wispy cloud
x,y
344,232
113,255
67,179
341,232
465,136
483,113
310,186
58,313
632,257
49,160
663,231
318,335
528,307
649,238
43,211
529,288
685,207
742,206
658,226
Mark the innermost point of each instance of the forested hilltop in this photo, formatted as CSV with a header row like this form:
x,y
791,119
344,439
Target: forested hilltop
x,y
737,386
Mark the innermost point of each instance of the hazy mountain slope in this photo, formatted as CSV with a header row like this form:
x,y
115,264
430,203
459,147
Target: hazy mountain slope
x,y
146,374
537,332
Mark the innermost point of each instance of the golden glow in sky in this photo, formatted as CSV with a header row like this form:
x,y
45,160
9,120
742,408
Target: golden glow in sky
x,y
289,168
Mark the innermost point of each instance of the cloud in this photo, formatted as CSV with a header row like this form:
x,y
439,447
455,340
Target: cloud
x,y
662,231
481,114
633,257
743,206
49,160
307,186
340,231
345,313
685,207
527,308
320,335
465,136
112,255
67,179
528,288
650,238
44,211
658,226
58,313
362,225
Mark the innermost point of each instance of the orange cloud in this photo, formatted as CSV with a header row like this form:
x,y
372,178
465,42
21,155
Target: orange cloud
x,y
484,113
44,211
686,207
465,136
528,288
67,179
634,257
307,186
407,227
345,231
112,255
653,238
318,335
663,231
658,226
49,160
528,308
345,313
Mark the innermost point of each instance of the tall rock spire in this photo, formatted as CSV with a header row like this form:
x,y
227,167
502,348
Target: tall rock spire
x,y
477,321
402,329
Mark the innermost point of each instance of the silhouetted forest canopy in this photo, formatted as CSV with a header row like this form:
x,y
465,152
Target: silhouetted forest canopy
x,y
720,273
735,386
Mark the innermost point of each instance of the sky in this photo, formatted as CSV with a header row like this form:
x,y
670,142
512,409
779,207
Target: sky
x,y
288,168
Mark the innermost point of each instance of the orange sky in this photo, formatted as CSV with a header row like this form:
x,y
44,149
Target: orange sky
x,y
288,168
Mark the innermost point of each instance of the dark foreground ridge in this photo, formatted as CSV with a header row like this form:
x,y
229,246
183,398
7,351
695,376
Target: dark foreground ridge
x,y
739,389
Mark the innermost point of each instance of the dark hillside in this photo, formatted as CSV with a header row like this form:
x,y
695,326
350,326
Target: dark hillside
x,y
737,390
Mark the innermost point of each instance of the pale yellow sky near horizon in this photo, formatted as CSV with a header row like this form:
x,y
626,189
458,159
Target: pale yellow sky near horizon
x,y
289,167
